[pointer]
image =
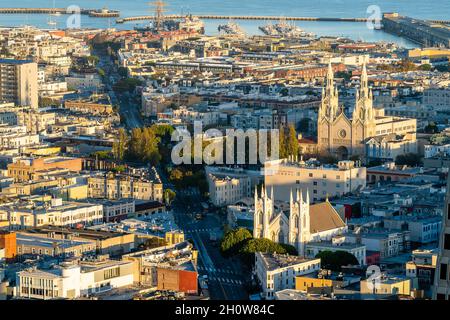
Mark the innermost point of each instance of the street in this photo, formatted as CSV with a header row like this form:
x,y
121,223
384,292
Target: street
x,y
128,106
226,277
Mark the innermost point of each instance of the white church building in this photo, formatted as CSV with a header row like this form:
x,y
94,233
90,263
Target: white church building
x,y
297,225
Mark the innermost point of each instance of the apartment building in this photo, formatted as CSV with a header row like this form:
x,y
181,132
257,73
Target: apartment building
x,y
36,121
31,245
276,272
225,190
103,242
97,104
18,82
116,186
387,286
423,229
337,244
387,243
116,210
437,98
73,280
151,265
58,213
322,181
26,168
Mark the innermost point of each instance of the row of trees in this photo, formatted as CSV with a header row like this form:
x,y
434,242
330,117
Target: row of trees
x,y
148,144
188,176
241,242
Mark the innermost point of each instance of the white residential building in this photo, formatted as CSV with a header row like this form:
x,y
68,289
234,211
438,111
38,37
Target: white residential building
x,y
58,213
322,181
224,190
70,281
337,244
277,272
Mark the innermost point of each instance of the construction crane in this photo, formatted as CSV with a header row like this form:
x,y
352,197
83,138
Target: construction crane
x,y
158,7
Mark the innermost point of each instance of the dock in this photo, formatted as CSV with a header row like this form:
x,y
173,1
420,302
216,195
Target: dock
x,y
425,33
99,13
258,18
261,18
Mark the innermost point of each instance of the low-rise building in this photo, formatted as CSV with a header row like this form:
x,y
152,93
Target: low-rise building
x,y
74,280
276,272
423,229
119,186
98,241
224,190
337,244
387,243
322,181
386,286
58,213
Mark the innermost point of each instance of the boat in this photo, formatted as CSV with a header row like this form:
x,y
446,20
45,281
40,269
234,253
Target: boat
x,y
286,30
231,28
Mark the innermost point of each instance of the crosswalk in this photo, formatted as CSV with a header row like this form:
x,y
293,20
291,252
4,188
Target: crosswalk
x,y
226,280
216,270
200,230
219,275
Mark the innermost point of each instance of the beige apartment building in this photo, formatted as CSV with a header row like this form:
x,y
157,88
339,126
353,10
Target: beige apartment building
x,y
112,186
225,190
58,213
321,181
18,82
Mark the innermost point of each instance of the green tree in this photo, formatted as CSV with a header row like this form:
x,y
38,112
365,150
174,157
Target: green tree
x,y
263,245
176,175
134,146
336,260
120,145
288,142
233,240
425,67
431,127
93,60
169,196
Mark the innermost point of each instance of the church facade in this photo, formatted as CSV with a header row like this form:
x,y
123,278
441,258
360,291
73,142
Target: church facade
x,y
297,225
339,134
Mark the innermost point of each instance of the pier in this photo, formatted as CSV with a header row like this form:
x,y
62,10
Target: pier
x,y
425,33
260,18
99,13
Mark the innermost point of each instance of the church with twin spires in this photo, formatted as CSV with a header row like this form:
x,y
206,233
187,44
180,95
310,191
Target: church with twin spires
x,y
337,133
297,224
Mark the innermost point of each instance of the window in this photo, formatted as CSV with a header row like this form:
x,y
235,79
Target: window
x,y
447,242
443,272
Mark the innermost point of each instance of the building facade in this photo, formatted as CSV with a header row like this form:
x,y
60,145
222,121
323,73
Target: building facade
x,y
18,82
321,181
278,272
343,136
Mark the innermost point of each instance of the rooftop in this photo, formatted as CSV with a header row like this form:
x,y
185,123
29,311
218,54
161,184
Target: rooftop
x,y
275,261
